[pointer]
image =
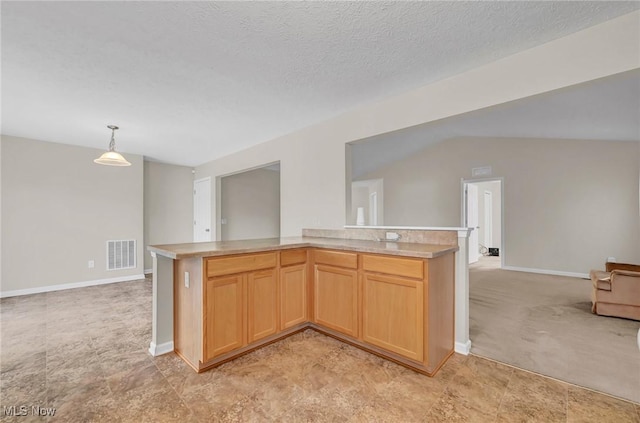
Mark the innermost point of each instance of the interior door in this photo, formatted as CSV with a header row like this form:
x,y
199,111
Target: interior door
x,y
202,210
472,222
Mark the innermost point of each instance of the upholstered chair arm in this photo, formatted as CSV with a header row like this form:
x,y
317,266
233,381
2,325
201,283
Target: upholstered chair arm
x,y
625,287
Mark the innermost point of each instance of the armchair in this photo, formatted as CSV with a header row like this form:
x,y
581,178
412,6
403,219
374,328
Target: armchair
x,y
616,291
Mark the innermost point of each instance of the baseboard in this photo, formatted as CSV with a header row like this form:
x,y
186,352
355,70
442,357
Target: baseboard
x,y
148,271
547,272
61,287
463,348
156,350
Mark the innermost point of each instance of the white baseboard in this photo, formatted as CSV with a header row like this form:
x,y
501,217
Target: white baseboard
x,y
61,287
547,272
156,350
148,271
463,348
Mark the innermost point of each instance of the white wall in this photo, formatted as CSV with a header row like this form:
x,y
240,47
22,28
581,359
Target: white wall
x,y
565,207
59,209
313,188
168,206
1,197
250,204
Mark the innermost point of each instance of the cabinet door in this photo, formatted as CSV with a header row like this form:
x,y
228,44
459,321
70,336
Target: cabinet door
x,y
224,315
393,314
293,295
262,304
336,299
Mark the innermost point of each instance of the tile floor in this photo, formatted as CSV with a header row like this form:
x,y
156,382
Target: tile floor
x,y
83,352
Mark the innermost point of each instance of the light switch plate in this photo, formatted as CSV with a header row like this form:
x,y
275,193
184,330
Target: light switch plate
x,y
186,279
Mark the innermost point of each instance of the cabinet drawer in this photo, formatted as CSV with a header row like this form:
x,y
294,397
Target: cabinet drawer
x,y
289,257
411,268
243,263
336,258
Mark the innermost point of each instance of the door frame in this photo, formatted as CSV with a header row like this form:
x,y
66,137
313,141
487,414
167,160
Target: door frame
x,y
474,235
218,194
463,209
488,218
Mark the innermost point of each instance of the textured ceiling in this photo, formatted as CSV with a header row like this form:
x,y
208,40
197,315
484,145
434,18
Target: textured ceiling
x,y
189,82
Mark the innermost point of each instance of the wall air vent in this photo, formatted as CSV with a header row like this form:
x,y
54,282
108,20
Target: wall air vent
x,y
121,254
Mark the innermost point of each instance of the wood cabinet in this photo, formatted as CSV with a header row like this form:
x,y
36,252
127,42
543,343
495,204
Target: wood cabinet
x,y
335,291
393,304
408,308
262,304
224,310
392,314
400,308
336,298
293,295
239,308
294,286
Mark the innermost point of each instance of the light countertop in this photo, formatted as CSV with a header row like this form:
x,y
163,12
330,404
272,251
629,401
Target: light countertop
x,y
207,249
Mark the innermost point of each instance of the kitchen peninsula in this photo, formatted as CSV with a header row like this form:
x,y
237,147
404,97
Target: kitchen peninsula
x,y
215,301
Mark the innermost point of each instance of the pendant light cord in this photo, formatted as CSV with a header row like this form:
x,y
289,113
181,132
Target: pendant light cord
x,y
112,143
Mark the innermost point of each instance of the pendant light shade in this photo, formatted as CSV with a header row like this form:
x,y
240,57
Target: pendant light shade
x,y
112,157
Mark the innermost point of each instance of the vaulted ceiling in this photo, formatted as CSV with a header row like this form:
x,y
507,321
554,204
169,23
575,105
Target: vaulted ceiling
x,y
189,82
605,109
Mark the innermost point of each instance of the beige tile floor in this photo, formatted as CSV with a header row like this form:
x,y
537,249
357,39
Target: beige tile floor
x,y
83,352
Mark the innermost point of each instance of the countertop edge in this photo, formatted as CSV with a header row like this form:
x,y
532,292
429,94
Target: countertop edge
x,y
446,249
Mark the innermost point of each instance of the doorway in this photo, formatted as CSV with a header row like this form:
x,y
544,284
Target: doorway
x,y
250,204
368,196
202,210
483,202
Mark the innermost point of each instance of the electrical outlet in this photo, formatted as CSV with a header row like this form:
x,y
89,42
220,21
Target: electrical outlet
x,y
186,279
91,264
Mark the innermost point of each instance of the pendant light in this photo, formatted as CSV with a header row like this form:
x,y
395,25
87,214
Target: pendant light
x,y
112,157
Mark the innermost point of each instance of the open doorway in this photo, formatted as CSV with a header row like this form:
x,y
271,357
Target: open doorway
x,y
250,204
202,210
367,203
483,210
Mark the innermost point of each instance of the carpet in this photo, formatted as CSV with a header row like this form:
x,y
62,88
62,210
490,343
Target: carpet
x,y
544,324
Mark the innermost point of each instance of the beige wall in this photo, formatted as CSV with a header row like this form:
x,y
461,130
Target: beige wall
x,y
168,206
313,187
565,208
250,203
59,209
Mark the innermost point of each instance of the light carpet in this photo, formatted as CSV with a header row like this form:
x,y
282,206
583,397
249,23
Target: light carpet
x,y
544,324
